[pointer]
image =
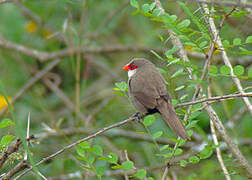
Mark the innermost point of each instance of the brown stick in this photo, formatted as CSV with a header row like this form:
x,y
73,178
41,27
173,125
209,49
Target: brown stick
x,y
31,82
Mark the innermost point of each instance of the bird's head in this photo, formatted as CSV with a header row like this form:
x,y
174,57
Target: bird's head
x,y
136,64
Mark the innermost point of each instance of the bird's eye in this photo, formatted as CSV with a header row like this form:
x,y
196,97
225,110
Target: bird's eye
x,y
131,66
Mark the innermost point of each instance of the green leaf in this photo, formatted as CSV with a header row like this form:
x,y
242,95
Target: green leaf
x,y
177,73
100,171
194,115
246,52
183,97
164,147
196,20
178,152
191,44
145,7
250,72
238,70
7,140
171,51
249,39
189,132
180,88
237,41
162,71
157,12
213,69
6,122
123,86
203,44
80,151
119,93
185,23
174,102
127,165
183,163
191,124
226,43
157,134
84,145
156,54
112,158
117,167
141,174
243,49
150,178
194,159
181,142
152,6
167,155
134,3
90,159
169,19
96,149
206,153
149,120
225,70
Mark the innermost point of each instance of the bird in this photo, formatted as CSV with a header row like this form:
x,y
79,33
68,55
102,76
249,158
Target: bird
x,y
148,94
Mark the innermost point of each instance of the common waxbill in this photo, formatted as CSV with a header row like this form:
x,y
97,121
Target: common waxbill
x,y
147,91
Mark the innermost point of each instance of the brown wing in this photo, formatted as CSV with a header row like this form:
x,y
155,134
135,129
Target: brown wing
x,y
147,87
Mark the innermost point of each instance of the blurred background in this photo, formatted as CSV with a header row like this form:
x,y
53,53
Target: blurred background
x,y
61,61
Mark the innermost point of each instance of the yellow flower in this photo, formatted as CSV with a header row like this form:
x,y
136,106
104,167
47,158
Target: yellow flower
x,y
188,48
3,102
31,27
216,51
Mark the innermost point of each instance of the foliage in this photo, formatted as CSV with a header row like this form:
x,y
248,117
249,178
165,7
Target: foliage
x,y
114,32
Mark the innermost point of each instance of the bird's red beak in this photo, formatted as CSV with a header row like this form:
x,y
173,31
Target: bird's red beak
x,y
126,67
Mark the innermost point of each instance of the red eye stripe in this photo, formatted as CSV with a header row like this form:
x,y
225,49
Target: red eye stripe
x,y
132,66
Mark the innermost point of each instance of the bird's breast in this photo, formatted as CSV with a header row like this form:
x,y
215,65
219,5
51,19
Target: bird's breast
x,y
131,73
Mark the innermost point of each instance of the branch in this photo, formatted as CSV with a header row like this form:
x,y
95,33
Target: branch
x,y
6,154
218,151
111,133
103,130
32,81
232,146
79,141
221,3
46,56
19,167
215,99
7,1
225,58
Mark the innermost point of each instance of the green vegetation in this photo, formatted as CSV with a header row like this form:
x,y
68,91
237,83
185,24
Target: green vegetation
x,y
61,80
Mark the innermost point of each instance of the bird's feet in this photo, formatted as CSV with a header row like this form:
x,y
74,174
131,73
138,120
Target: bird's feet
x,y
137,117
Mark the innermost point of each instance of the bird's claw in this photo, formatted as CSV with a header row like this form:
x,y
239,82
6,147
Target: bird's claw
x,y
137,117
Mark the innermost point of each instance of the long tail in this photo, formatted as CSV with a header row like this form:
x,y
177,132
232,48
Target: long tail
x,y
171,118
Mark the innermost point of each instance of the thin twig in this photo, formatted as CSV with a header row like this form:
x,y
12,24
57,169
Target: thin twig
x,y
19,167
8,1
77,142
165,173
32,81
7,153
220,3
65,99
27,134
226,59
218,151
214,99
232,146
